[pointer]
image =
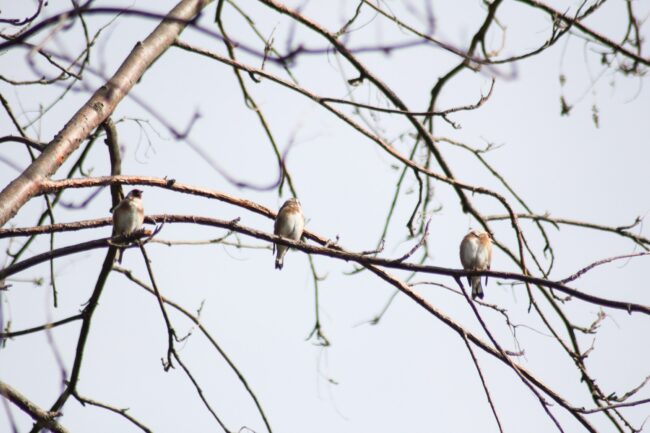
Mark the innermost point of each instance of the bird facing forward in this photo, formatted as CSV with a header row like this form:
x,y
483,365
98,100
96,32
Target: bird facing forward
x,y
476,255
128,217
289,224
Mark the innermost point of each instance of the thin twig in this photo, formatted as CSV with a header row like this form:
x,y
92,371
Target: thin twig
x,y
485,388
13,334
171,333
128,274
586,269
121,412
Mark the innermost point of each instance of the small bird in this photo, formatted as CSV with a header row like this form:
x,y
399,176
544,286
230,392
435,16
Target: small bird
x,y
128,217
289,224
476,255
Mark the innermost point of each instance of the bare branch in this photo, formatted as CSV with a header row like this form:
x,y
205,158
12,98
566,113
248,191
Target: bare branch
x,y
485,388
96,110
4,335
586,269
622,230
578,24
122,412
128,274
46,419
614,406
171,333
18,139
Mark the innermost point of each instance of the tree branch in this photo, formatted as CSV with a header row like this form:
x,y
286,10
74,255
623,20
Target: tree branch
x,y
4,335
96,109
333,251
46,419
123,412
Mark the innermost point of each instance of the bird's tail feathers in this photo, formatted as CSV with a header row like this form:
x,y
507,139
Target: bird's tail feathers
x,y
477,288
281,250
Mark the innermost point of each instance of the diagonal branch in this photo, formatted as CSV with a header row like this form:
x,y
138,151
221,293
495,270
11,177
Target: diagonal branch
x,y
171,333
195,319
100,105
83,335
555,14
485,388
123,412
47,419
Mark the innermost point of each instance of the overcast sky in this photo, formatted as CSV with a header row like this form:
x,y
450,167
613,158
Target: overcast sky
x,y
410,372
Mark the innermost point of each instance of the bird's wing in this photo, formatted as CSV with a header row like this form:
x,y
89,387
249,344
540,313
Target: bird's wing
x,y
468,252
278,222
298,226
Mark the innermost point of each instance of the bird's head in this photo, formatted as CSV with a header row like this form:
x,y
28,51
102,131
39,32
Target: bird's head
x,y
481,234
294,200
134,193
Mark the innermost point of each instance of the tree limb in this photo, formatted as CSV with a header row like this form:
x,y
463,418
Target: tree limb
x,y
96,109
47,419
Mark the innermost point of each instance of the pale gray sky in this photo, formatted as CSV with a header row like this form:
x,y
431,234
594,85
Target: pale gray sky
x,y
409,373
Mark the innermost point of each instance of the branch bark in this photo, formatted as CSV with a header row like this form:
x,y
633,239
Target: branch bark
x,y
97,109
332,251
39,415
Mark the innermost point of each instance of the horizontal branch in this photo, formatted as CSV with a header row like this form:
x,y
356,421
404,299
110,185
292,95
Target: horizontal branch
x,y
369,262
55,228
51,186
623,231
4,335
47,419
61,252
29,142
443,113
614,406
335,252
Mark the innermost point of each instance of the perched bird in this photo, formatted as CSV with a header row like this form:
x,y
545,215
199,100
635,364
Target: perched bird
x,y
476,255
128,217
289,224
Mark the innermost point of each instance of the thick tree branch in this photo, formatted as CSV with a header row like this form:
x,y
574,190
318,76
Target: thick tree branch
x,y
95,110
